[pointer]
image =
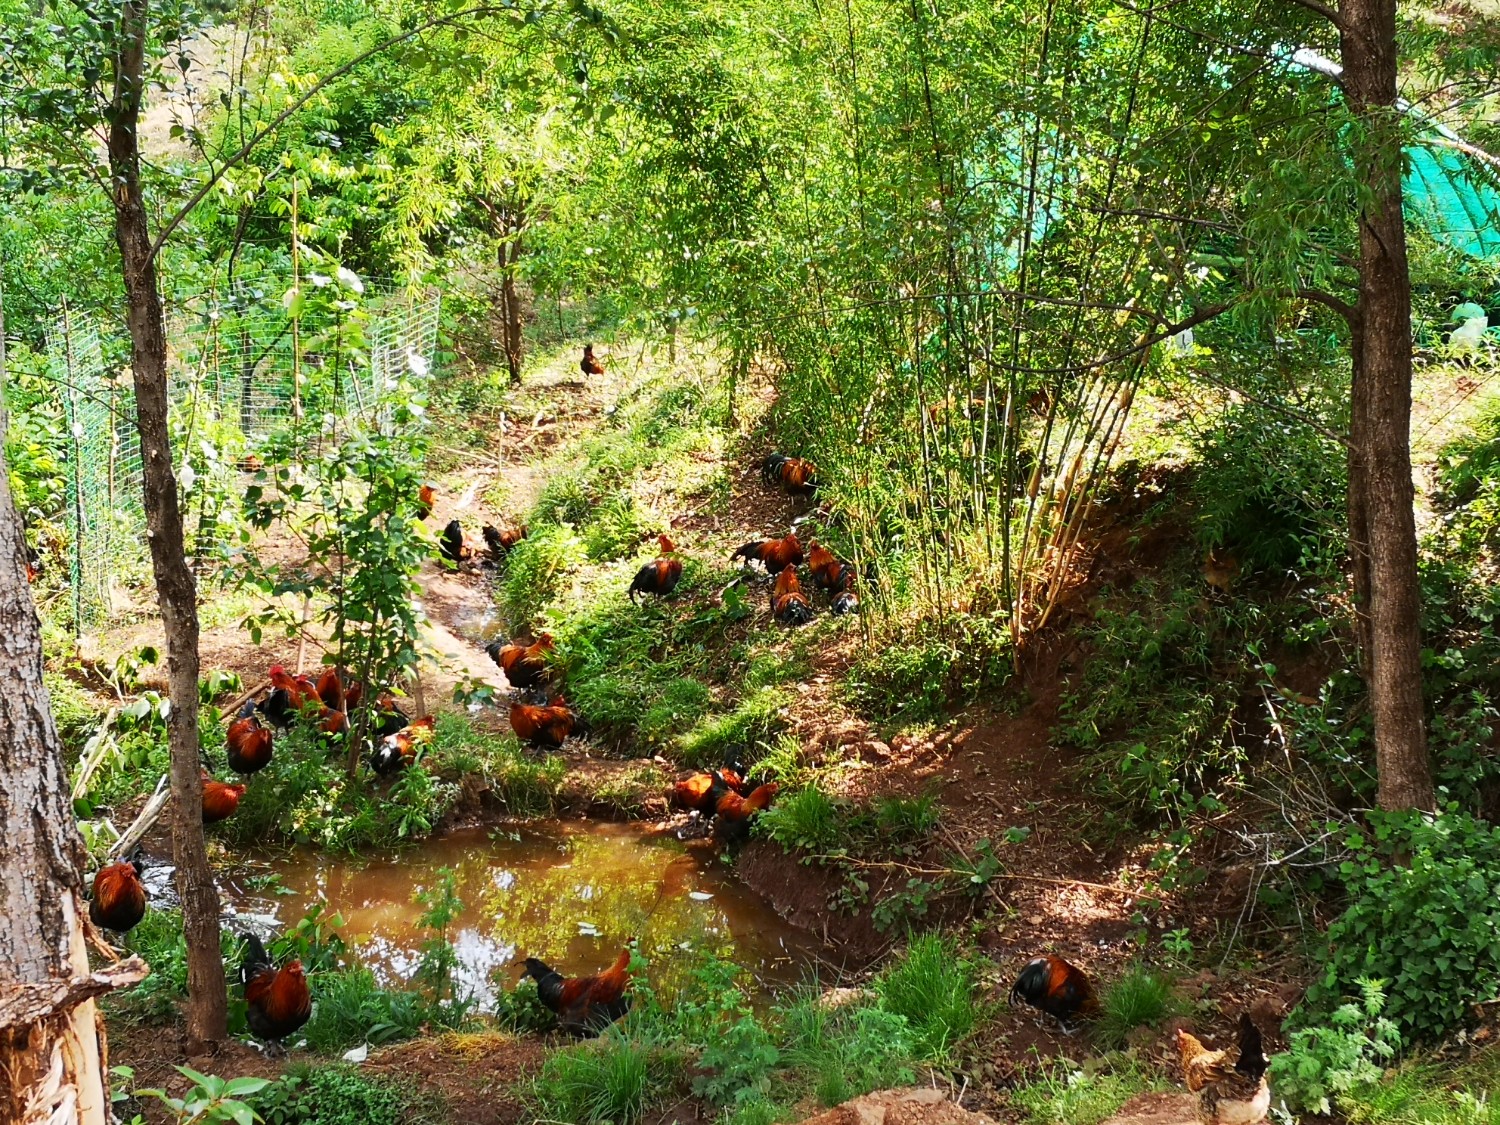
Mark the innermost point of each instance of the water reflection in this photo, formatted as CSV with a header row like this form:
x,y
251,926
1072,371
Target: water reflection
x,y
572,893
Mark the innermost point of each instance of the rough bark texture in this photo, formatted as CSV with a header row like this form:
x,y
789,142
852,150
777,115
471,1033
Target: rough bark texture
x,y
175,587
49,1049
1381,416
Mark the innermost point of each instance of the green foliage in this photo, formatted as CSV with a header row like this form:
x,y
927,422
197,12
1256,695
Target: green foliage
x,y
435,973
754,719
305,796
933,987
1271,490
524,784
916,680
537,570
336,1095
1325,1064
1139,997
353,1009
157,938
1153,702
1064,1094
1427,1094
211,1100
606,1080
807,819
1423,917
849,1050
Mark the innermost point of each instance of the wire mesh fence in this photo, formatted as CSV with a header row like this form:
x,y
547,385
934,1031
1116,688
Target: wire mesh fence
x,y
249,370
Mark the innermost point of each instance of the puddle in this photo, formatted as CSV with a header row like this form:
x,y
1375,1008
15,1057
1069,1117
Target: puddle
x,y
571,893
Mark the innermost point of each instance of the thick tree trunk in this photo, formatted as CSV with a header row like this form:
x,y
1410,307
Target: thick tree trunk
x,y
175,587
1381,416
50,1050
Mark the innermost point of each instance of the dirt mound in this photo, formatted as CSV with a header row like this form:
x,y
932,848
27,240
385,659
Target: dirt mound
x,y
900,1107
1158,1109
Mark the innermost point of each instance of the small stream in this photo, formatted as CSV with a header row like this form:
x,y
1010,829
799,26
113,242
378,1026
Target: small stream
x,y
570,892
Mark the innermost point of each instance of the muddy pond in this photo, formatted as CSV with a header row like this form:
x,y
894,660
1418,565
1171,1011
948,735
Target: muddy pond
x,y
570,892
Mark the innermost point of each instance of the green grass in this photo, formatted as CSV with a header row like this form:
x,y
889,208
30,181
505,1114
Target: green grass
x,y
352,1009
849,1051
1063,1094
338,1094
1429,1094
525,785
1139,998
807,819
607,1080
756,719
934,987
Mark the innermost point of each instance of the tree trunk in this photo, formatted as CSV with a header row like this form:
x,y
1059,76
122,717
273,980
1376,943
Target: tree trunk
x,y
1380,426
511,310
50,1050
175,588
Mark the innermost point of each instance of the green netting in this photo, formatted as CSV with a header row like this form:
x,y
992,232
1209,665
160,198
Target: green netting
x,y
234,366
1453,196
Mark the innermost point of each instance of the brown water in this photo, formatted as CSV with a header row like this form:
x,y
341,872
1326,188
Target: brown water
x,y
570,892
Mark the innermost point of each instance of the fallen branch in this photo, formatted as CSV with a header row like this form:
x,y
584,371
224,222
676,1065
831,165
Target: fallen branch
x,y
94,751
143,823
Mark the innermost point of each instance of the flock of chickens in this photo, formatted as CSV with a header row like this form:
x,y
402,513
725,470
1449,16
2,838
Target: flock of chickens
x,y
1230,1084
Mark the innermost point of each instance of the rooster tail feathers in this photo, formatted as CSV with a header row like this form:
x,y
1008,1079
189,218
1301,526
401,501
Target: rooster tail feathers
x,y
1252,1062
1031,985
255,959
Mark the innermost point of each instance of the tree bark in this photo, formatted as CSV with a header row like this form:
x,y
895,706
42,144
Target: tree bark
x,y
50,1054
511,309
175,587
1380,427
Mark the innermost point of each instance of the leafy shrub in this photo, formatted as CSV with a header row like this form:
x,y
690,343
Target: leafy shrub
x,y
537,571
1324,1063
1272,490
1423,917
304,796
607,1080
352,1009
933,987
614,528
1152,703
1139,998
916,681
333,1095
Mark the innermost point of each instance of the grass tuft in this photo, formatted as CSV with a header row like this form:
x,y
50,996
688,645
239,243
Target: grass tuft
x,y
933,986
606,1080
1139,998
1062,1094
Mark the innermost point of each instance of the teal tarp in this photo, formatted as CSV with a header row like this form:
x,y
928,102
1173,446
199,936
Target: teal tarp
x,y
1453,198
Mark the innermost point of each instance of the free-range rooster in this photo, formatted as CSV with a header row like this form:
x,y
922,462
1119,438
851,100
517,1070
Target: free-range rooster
x,y
547,725
277,1001
1231,1085
789,605
249,742
659,577
589,365
733,814
773,554
500,542
792,474
584,1005
1058,988
525,666
119,897
836,577
220,799
398,748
